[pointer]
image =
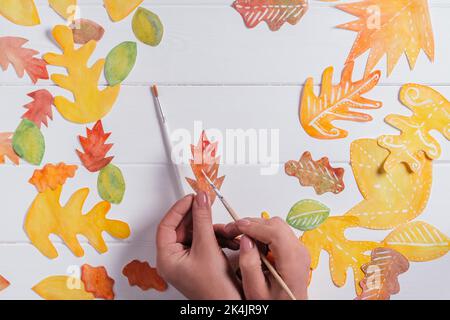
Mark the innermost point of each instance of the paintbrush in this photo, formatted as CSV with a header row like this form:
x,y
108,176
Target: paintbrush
x,y
235,217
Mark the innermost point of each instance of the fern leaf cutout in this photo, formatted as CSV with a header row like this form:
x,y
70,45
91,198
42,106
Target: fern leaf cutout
x,y
307,215
334,103
40,109
6,148
391,28
431,111
90,103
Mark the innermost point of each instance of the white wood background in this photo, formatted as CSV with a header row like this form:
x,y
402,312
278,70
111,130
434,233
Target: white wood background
x,y
211,68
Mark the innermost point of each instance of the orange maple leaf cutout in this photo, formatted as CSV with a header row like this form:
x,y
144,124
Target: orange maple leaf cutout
x,y
141,274
205,159
334,102
391,28
318,174
40,108
381,274
95,149
6,149
97,282
274,12
22,59
3,283
52,176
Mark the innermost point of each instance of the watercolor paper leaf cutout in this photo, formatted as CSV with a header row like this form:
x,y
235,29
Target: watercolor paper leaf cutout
x,y
381,280
205,159
142,275
120,9
3,283
62,288
391,28
52,176
307,215
147,27
390,198
28,142
87,30
21,12
22,59
274,12
47,216
344,254
418,241
65,8
95,148
97,281
318,174
40,108
431,111
111,184
6,148
90,104
119,62
335,101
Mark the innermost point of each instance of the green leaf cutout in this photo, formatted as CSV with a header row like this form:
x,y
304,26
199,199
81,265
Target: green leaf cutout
x,y
111,184
28,142
147,27
120,61
307,215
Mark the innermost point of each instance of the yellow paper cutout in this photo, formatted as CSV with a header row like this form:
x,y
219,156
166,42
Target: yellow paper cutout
x,y
21,12
392,28
90,104
418,241
65,8
391,198
120,9
344,254
431,111
62,288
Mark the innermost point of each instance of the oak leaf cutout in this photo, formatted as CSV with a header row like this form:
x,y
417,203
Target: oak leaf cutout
x,y
97,281
6,148
40,109
141,274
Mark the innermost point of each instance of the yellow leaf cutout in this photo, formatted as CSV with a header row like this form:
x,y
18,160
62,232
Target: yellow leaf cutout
x,y
62,288
390,198
392,28
334,103
65,8
418,241
120,9
431,111
21,12
344,254
90,104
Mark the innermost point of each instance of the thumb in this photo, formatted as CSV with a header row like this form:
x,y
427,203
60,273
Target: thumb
x,y
203,236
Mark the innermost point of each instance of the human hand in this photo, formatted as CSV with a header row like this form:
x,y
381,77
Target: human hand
x,y
190,256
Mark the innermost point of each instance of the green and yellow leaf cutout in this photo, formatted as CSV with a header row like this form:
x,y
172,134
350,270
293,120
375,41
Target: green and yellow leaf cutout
x,y
28,142
147,27
307,215
119,62
111,184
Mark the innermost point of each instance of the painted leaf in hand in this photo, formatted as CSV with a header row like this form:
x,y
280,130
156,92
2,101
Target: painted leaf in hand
x,y
52,176
147,27
6,148
418,241
22,12
142,275
205,159
86,31
344,253
3,283
307,215
335,101
391,28
274,12
40,108
95,148
62,288
28,142
431,111
97,281
119,62
390,198
381,274
22,59
120,9
65,8
318,174
111,184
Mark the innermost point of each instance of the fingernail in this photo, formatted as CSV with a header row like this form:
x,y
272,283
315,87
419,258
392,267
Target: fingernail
x,y
202,199
246,244
243,223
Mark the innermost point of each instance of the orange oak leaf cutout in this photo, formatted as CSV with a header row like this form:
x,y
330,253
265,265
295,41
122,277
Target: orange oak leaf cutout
x,y
274,12
3,283
52,176
391,28
335,101
40,108
141,274
205,159
95,149
97,282
6,149
22,59
318,174
381,274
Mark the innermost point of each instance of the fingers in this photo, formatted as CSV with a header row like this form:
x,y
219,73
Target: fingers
x,y
253,279
226,236
203,237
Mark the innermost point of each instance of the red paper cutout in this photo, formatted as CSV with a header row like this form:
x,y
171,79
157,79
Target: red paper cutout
x,y
141,274
97,282
40,108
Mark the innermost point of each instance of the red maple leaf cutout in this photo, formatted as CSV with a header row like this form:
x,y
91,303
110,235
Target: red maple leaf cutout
x,y
95,148
22,59
40,108
204,159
